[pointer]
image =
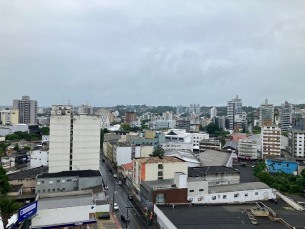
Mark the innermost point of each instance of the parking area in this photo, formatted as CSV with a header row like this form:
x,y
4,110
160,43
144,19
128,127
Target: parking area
x,y
108,223
246,174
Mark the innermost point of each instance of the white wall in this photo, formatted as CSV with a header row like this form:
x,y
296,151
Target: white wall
x,y
103,208
39,158
262,194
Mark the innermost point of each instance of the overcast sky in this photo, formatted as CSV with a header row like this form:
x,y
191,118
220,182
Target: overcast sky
x,y
152,52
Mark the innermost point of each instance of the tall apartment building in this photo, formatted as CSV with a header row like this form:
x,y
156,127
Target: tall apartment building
x,y
106,118
271,143
11,117
266,114
213,113
194,108
286,116
234,107
179,110
168,115
27,109
85,109
296,140
74,140
130,117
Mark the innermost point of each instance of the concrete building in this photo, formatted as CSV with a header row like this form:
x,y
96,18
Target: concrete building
x,y
11,117
240,120
65,210
67,181
286,116
178,139
247,149
271,143
197,137
168,115
266,114
130,117
106,118
183,124
234,107
296,140
74,140
27,109
179,110
206,144
231,146
162,124
4,111
155,168
213,113
39,157
85,109
215,175
157,140
186,155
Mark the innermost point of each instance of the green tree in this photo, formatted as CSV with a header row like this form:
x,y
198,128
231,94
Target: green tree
x,y
45,130
27,147
4,184
261,167
3,147
256,130
16,147
23,135
33,137
8,207
11,137
285,133
144,127
211,128
159,152
125,126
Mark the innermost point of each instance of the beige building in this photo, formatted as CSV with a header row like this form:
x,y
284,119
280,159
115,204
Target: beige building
x,y
271,143
11,117
156,168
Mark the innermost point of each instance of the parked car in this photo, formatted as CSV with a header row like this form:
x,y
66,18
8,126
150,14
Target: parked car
x,y
103,160
130,197
110,170
105,216
116,206
124,218
120,183
273,201
115,176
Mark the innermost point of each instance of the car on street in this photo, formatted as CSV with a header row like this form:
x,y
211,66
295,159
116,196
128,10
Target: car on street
x,y
105,216
130,197
116,206
110,170
115,176
125,218
253,166
120,183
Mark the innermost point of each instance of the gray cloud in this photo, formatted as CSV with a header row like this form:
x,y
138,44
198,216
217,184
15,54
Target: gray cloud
x,y
148,52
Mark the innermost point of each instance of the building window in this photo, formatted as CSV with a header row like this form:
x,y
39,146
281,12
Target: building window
x,y
50,182
38,183
224,197
235,195
42,182
63,189
256,193
201,190
58,181
192,190
214,198
160,173
43,191
246,194
69,180
48,190
58,190
38,191
63,181
53,189
160,166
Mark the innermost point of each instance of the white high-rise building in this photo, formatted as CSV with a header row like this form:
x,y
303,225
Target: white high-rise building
x,y
105,118
286,116
85,109
74,140
213,113
168,115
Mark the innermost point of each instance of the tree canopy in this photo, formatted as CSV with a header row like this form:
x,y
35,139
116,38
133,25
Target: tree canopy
x,y
159,152
8,207
19,135
4,184
45,130
256,130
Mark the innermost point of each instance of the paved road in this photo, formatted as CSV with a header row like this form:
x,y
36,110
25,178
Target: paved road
x,y
136,217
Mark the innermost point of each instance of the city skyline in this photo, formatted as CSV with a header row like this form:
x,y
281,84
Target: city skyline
x,y
157,53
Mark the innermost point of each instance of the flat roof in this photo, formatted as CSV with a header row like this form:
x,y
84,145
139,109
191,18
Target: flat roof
x,y
151,160
79,173
201,171
28,174
160,183
216,217
65,201
214,158
238,187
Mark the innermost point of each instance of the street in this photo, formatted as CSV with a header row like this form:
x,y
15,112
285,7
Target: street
x,y
137,220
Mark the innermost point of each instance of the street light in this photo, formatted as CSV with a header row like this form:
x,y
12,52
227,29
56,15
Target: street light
x,y
127,216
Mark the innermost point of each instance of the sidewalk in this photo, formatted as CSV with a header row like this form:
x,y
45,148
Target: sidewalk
x,y
110,223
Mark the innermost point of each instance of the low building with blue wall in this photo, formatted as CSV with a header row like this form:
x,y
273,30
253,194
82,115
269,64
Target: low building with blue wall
x,y
289,167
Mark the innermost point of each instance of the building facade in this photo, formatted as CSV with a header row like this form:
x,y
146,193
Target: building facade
x,y
11,117
234,107
296,140
286,116
266,114
213,113
85,109
106,118
247,149
27,109
183,124
74,140
271,143
130,117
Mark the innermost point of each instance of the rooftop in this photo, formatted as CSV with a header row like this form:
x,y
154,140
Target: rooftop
x,y
65,201
214,158
79,173
238,187
233,144
159,184
128,166
16,188
151,160
200,171
216,217
28,174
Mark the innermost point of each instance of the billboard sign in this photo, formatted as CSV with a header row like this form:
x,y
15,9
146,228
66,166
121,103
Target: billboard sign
x,y
27,211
